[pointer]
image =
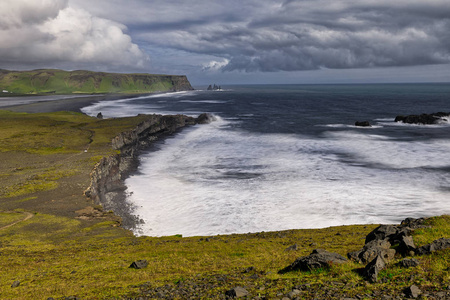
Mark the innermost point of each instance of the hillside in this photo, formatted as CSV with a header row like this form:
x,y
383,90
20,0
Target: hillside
x,y
86,82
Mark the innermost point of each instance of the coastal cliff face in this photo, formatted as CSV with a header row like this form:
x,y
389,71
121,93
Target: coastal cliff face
x,y
107,178
49,81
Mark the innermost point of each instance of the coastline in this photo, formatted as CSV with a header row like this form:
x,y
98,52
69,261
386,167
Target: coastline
x,y
75,103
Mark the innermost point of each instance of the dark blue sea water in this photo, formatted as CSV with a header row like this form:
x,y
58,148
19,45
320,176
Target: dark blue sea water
x,y
288,156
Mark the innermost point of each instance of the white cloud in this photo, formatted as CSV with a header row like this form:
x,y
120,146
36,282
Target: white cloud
x,y
51,33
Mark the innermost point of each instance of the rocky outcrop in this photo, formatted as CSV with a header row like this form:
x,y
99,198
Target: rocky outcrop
x,y
434,118
107,178
317,259
362,124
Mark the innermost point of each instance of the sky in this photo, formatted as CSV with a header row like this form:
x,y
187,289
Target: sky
x,y
234,41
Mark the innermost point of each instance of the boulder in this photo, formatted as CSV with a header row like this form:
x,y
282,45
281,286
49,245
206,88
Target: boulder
x,y
373,268
373,249
317,259
409,263
15,284
413,223
425,119
139,264
291,248
236,292
205,118
362,124
391,233
412,292
436,245
406,246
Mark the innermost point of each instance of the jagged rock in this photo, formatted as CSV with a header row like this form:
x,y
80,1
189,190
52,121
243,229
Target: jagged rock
x,y
236,292
413,223
412,292
433,118
391,233
139,264
291,248
406,246
373,268
99,115
363,124
317,259
373,249
15,284
205,118
440,244
409,263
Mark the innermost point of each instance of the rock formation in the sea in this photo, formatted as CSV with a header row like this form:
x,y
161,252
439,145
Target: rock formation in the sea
x,y
107,178
214,88
426,119
362,124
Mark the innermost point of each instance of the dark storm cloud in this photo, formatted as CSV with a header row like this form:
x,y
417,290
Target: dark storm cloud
x,y
235,35
299,35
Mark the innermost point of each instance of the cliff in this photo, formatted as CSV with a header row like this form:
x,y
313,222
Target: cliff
x,y
107,178
50,81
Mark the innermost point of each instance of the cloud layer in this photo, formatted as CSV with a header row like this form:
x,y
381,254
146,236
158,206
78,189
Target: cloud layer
x,y
51,33
310,34
226,36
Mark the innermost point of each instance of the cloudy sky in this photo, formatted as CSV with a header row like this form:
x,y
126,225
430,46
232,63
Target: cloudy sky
x,y
224,42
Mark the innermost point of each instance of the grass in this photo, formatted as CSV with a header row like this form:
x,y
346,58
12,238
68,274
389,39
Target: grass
x,y
83,82
55,254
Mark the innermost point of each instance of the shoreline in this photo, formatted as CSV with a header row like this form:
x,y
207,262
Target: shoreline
x,y
75,103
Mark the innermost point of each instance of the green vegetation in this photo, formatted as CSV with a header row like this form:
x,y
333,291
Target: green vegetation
x,y
55,253
86,82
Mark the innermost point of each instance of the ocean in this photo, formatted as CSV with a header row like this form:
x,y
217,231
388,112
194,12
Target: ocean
x,y
288,157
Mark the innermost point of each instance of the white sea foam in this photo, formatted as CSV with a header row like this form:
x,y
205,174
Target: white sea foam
x,y
209,180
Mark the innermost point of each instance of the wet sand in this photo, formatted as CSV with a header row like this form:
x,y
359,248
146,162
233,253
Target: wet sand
x,y
42,104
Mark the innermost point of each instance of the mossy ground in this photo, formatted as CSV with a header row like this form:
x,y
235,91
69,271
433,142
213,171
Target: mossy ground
x,y
44,171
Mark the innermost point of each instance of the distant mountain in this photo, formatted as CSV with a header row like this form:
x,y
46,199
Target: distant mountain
x,y
51,81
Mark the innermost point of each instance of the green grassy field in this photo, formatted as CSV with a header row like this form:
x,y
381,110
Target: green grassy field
x,y
50,81
53,252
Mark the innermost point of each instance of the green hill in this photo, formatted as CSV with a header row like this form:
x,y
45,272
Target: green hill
x,y
86,82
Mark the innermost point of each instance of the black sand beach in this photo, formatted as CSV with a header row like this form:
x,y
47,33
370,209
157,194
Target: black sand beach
x,y
42,104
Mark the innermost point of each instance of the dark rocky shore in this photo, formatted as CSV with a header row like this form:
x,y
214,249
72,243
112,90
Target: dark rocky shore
x,y
107,179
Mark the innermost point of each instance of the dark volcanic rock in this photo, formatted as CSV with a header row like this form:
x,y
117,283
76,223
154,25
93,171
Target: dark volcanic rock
x,y
433,118
362,124
436,245
373,249
205,118
139,264
236,292
15,284
391,233
406,246
412,292
373,268
317,259
409,263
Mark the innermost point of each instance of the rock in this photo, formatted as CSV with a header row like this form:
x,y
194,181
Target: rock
x,y
383,232
406,246
436,245
413,223
99,115
412,291
205,118
139,264
15,284
362,124
424,119
317,259
291,248
409,263
373,268
236,292
373,249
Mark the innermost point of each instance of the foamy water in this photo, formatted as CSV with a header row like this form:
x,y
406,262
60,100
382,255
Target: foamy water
x,y
221,178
